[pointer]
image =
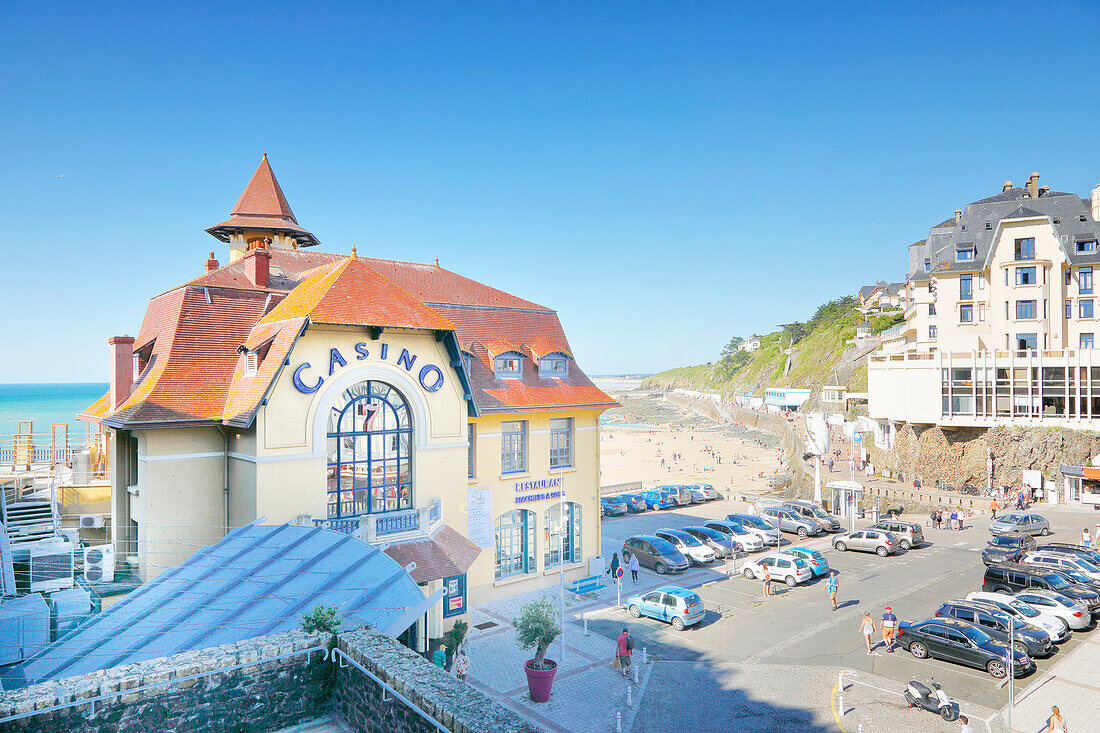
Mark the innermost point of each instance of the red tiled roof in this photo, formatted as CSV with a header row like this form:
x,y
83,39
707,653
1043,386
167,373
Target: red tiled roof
x,y
262,205
442,554
247,391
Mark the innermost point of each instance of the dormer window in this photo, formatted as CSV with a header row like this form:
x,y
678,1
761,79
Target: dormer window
x,y
251,363
554,365
467,361
928,265
988,226
508,365
964,254
1086,245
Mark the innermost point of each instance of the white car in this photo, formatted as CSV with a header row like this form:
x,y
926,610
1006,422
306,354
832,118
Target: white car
x,y
689,545
1062,561
748,541
1074,613
1056,628
787,568
768,534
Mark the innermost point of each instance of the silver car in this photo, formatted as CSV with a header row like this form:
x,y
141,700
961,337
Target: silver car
x,y
1023,523
786,520
739,535
909,534
809,510
708,491
867,540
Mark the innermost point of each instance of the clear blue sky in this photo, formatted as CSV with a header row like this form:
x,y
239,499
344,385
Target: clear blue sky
x,y
664,175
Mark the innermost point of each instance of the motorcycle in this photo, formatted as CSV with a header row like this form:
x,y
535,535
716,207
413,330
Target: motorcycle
x,y
934,700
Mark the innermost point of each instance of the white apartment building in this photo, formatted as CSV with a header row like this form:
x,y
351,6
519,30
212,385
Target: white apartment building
x,y
1001,318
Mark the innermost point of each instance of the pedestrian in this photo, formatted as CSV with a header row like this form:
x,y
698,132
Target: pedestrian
x,y
830,464
612,571
767,580
964,725
462,665
439,657
932,519
1086,538
993,508
831,587
867,628
889,625
634,568
954,519
1056,723
624,648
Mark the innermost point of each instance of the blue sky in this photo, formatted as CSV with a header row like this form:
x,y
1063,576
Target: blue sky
x,y
664,175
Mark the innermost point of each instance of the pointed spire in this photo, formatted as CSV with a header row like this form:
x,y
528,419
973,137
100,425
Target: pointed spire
x,y
263,196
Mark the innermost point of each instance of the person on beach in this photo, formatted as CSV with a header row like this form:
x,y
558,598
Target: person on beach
x,y
889,626
634,567
831,587
867,628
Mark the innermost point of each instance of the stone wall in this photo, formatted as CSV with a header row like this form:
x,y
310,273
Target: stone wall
x,y
456,705
262,697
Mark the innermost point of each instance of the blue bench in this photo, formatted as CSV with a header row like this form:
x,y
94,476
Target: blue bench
x,y
586,585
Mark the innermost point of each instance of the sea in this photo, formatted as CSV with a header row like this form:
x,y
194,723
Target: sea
x,y
47,404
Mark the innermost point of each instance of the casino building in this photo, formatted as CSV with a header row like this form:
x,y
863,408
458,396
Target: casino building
x,y
400,403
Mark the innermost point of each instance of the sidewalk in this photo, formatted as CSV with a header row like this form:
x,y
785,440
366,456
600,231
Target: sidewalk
x,y
1073,685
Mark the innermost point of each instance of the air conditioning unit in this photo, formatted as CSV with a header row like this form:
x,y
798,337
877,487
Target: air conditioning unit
x,y
99,564
92,521
44,567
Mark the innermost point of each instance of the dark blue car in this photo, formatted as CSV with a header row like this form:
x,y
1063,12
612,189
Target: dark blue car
x,y
657,499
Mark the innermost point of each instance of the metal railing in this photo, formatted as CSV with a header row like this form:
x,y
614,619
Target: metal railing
x,y
341,659
91,701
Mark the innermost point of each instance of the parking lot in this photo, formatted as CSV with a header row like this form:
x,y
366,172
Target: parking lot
x,y
798,626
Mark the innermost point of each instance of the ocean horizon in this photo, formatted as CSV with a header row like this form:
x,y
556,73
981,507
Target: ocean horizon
x,y
46,404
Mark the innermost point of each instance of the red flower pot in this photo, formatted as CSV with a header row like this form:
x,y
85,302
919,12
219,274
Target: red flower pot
x,y
539,681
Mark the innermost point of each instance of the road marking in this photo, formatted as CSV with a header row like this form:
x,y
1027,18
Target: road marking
x,y
833,707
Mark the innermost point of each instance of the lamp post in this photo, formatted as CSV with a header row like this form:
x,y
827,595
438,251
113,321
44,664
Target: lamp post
x,y
561,557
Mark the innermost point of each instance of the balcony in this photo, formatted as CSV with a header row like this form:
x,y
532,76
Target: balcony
x,y
400,525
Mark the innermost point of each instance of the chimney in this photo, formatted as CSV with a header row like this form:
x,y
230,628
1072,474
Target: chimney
x,y
257,266
1033,185
122,368
1096,203
958,215
1044,190
211,264
1007,186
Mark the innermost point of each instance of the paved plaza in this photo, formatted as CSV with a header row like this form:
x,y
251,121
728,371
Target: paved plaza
x,y
785,663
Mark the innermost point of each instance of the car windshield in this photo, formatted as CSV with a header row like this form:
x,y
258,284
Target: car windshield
x,y
976,635
617,499
1011,519
712,534
1024,609
1057,582
754,522
687,539
817,556
663,546
819,512
1004,541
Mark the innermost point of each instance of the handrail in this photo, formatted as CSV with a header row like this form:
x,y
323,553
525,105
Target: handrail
x,y
92,700
395,693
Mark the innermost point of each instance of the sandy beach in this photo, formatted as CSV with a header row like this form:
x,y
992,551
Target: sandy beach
x,y
653,441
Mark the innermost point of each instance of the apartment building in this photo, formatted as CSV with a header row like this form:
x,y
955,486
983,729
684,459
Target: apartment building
x,y
1000,320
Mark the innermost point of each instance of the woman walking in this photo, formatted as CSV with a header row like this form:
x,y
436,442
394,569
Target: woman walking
x,y
867,628
614,569
1056,723
634,567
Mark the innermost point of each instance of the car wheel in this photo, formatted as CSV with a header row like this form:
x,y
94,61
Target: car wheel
x,y
626,558
997,669
791,581
747,572
1065,626
1044,531
660,568
840,546
1020,647
881,551
905,545
918,650
1002,589
635,612
678,623
802,532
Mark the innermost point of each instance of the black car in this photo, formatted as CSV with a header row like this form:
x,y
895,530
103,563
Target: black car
x,y
956,641
1008,547
1085,553
1012,578
1031,641
1079,579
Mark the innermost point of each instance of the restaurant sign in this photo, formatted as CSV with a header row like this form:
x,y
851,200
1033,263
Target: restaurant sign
x,y
538,489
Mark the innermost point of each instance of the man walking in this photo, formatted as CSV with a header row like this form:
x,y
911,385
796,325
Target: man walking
x,y
831,587
633,566
964,725
889,625
993,508
625,648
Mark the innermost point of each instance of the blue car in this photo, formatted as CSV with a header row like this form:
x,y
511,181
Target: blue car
x,y
655,499
818,564
677,606
612,508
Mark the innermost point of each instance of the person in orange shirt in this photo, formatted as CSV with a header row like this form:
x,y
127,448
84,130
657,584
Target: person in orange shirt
x,y
993,508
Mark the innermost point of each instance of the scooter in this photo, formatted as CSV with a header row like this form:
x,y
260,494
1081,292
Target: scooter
x,y
934,700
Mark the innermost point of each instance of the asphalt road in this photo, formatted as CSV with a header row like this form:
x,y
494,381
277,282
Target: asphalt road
x,y
798,625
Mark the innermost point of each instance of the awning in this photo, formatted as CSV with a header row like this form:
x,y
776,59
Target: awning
x,y
442,554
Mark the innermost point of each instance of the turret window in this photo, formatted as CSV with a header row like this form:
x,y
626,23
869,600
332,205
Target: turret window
x,y
1025,275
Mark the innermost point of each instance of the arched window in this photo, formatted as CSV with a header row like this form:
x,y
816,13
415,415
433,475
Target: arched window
x,y
369,451
514,534
562,536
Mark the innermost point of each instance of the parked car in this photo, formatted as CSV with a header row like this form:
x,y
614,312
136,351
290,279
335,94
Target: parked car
x,y
697,495
909,534
757,526
1023,523
678,606
655,499
1031,641
1074,612
809,510
653,552
787,520
955,641
708,491
1014,577
1056,628
791,570
741,536
1007,547
681,494
688,545
610,508
1078,579
818,564
723,545
1062,561
1085,553
635,503
867,540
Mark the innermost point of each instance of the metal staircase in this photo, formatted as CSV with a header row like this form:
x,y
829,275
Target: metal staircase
x,y
27,520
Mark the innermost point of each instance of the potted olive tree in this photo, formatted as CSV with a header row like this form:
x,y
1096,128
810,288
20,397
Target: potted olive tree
x,y
538,627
